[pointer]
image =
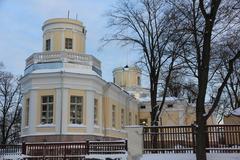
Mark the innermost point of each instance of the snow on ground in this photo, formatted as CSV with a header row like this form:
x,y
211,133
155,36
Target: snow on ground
x,y
179,156
110,156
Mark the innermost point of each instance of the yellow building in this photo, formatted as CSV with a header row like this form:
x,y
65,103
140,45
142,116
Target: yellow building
x,y
176,111
233,118
65,98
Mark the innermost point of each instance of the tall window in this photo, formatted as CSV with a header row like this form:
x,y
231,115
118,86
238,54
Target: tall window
x,y
76,109
68,43
122,118
139,80
130,118
48,44
95,111
47,110
27,112
113,116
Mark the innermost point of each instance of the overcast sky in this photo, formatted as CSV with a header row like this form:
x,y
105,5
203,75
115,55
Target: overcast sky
x,y
21,34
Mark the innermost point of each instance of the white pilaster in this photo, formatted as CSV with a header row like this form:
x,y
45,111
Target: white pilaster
x,y
23,115
32,111
61,110
90,111
65,111
100,117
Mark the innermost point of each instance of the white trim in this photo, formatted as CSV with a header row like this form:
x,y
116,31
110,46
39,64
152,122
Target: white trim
x,y
77,125
90,111
46,126
96,127
64,134
116,130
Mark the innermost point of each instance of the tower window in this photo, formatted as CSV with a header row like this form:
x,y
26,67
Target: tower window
x,y
113,116
47,110
122,118
139,81
95,111
27,112
76,109
130,118
68,43
170,105
48,44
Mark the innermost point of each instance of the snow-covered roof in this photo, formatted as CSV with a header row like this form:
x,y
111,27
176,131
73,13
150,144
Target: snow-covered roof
x,y
167,99
236,112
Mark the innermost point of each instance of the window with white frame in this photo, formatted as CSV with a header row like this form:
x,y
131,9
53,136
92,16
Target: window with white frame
x,y
47,110
48,45
95,111
68,43
76,109
122,118
27,112
113,116
130,118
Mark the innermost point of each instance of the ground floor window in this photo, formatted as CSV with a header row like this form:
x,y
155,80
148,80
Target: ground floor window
x,y
76,109
47,110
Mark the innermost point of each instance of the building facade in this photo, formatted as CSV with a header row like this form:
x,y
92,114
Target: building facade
x,y
65,98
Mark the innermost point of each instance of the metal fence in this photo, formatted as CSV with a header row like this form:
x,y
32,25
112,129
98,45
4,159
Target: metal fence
x,y
62,150
182,139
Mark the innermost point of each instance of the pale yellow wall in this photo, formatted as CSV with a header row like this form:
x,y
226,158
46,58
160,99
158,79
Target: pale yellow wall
x,y
127,78
170,118
107,117
45,129
58,40
60,28
41,93
231,120
76,130
145,115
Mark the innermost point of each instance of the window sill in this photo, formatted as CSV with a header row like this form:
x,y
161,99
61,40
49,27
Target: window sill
x,y
96,126
77,126
46,125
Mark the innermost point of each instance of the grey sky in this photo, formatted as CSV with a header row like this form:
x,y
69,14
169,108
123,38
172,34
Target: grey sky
x,y
21,33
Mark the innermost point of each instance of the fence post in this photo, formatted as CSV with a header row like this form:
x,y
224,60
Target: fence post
x,y
193,137
23,148
135,142
126,145
87,147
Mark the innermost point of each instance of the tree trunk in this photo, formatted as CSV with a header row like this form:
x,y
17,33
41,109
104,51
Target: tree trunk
x,y
201,139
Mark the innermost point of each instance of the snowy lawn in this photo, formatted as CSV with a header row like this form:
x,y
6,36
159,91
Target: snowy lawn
x,y
110,156
179,156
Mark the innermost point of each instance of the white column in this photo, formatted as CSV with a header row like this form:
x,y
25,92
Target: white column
x,y
33,111
23,115
135,142
90,111
61,110
100,117
65,110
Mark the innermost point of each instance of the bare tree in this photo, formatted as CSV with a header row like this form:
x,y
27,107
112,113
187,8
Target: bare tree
x,y
10,108
206,22
145,24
